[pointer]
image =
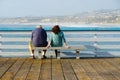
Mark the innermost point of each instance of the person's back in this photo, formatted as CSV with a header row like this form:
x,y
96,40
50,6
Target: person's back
x,y
57,40
39,37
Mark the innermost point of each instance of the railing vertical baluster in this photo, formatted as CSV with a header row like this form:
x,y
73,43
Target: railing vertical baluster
x,y
0,35
0,43
95,44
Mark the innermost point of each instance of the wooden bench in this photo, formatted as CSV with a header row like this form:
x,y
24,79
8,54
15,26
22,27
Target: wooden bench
x,y
73,48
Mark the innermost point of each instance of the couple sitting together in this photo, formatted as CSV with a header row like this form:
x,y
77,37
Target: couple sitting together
x,y
39,39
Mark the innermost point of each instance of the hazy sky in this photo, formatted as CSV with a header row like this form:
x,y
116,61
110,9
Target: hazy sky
x,y
18,8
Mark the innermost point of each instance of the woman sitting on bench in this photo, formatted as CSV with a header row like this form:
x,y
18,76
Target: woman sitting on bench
x,y
57,39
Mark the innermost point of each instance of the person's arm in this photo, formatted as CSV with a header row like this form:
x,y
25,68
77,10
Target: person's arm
x,y
64,40
49,42
66,46
31,45
31,36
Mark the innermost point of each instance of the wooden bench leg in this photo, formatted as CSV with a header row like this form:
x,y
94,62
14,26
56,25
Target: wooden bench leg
x,y
77,54
58,54
51,53
39,54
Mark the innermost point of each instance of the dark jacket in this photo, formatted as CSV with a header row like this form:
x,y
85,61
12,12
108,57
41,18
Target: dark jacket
x,y
39,37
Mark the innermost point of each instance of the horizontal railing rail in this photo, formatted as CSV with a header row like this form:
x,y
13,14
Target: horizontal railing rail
x,y
98,43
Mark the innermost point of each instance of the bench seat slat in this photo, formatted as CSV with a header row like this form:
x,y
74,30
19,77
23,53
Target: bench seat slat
x,y
62,48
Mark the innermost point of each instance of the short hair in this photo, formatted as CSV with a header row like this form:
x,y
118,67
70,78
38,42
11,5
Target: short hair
x,y
39,26
56,29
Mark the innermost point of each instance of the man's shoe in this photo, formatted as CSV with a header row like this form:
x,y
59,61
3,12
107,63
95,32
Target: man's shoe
x,y
33,57
44,57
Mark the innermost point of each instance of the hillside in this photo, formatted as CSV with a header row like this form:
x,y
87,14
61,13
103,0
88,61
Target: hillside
x,y
94,17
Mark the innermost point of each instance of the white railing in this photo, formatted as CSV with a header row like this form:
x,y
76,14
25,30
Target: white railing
x,y
98,43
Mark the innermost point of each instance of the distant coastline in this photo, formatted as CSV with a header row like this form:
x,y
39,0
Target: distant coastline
x,y
65,24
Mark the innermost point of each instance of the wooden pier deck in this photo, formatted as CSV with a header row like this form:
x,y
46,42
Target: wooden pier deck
x,y
63,69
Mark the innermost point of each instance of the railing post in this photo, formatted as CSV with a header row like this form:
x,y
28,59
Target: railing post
x,y
77,54
95,44
0,42
0,36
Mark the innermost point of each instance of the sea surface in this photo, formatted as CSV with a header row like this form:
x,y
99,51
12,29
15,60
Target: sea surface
x,y
7,27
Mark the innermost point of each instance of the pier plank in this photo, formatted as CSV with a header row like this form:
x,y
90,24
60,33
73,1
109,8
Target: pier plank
x,y
34,71
9,75
99,66
23,71
90,71
79,71
5,67
45,73
68,70
3,61
115,62
57,72
112,69
63,69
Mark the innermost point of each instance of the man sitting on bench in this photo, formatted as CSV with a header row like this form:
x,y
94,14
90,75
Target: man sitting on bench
x,y
38,39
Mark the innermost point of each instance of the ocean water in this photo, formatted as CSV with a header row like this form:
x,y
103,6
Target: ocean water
x,y
5,27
